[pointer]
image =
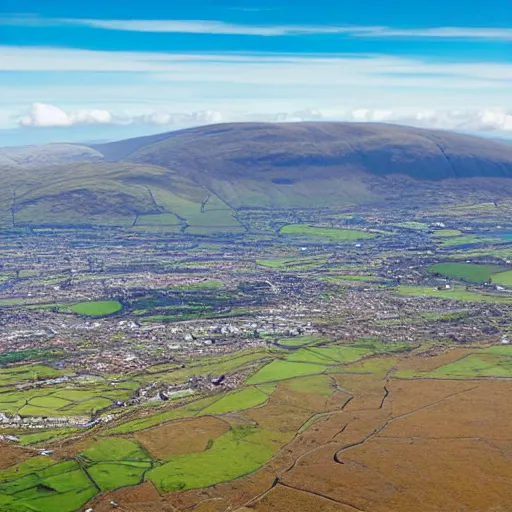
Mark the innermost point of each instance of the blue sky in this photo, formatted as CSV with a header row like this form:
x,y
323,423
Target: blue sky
x,y
101,70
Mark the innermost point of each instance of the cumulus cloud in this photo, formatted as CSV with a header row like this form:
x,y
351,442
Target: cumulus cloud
x,y
42,115
482,120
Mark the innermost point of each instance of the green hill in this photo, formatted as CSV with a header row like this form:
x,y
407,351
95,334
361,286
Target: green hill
x,y
196,180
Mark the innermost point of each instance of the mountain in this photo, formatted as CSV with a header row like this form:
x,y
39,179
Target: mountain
x,y
197,179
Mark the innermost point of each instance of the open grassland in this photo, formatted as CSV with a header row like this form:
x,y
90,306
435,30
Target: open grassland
x,y
334,234
471,272
97,308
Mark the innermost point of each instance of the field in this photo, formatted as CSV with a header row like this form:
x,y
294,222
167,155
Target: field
x,y
454,293
307,418
334,234
59,400
299,341
504,278
97,308
466,271
447,233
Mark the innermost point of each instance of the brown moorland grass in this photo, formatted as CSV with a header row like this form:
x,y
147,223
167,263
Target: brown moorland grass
x,y
140,498
481,412
10,455
285,499
398,445
186,436
406,396
426,361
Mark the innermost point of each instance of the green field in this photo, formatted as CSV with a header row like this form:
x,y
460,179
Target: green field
x,y
317,384
447,233
468,239
328,355
504,278
468,271
412,225
58,400
455,293
237,401
186,411
49,435
373,365
113,475
281,370
475,365
97,308
236,453
300,341
28,372
334,234
41,485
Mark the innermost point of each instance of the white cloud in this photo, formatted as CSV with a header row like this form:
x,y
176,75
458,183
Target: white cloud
x,y
221,27
179,90
42,115
483,120
357,70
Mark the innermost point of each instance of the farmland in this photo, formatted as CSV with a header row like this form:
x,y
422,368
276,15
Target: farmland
x,y
240,435
97,308
216,357
345,235
467,271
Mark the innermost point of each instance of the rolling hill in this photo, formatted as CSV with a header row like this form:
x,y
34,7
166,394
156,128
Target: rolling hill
x,y
195,180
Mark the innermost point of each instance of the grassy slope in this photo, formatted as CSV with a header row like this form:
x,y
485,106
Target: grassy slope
x,y
109,194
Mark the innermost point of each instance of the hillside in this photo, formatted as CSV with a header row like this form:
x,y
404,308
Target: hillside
x,y
196,180
304,164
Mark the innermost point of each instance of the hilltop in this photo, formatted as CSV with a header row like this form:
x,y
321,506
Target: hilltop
x,y
202,176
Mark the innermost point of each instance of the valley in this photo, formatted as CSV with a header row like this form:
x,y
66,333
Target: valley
x,y
170,343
